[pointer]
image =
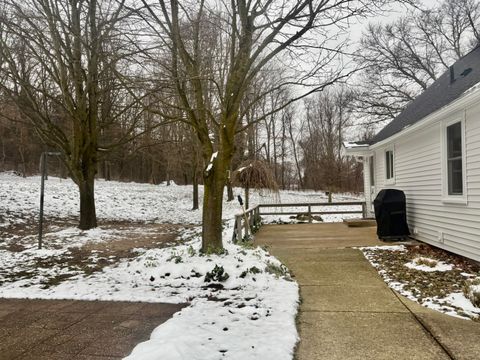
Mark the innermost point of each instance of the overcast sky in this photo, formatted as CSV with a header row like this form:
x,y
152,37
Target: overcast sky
x,y
390,15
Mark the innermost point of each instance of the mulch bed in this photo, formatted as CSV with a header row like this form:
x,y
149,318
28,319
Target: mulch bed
x,y
425,286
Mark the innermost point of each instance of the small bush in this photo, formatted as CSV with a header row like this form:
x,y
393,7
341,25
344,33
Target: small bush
x,y
191,251
217,274
247,245
471,290
177,259
253,270
277,270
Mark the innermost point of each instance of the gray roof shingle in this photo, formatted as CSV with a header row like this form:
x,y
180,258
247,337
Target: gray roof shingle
x,y
441,93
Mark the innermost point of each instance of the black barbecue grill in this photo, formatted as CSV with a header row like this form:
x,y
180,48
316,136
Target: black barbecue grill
x,y
391,215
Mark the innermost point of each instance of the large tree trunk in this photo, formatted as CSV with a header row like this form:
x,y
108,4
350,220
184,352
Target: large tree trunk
x,y
88,216
214,184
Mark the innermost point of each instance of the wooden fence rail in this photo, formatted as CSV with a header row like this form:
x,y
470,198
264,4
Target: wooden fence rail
x,y
246,224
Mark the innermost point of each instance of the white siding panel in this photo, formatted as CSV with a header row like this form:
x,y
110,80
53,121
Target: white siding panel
x,y
418,162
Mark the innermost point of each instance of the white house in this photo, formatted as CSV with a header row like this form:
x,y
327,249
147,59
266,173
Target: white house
x,y
431,151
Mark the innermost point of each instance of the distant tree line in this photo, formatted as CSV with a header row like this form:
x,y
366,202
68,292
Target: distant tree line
x,y
304,152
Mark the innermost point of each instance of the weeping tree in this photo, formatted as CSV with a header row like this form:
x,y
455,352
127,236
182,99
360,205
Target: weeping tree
x,y
217,49
254,175
67,66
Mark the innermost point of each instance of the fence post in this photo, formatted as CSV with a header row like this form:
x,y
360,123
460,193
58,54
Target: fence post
x,y
247,226
309,214
364,210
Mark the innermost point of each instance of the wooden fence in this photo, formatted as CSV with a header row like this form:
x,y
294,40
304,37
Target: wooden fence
x,y
246,224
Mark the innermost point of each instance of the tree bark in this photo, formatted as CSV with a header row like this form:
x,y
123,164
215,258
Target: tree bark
x,y
195,190
214,183
88,216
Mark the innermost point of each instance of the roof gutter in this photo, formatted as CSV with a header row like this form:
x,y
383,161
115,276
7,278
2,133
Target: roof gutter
x,y
356,150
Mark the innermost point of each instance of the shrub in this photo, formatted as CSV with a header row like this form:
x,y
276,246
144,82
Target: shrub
x,y
253,270
471,290
177,259
277,270
191,251
217,274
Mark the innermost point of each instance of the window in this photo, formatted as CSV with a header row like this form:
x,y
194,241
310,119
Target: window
x,y
389,165
454,185
454,159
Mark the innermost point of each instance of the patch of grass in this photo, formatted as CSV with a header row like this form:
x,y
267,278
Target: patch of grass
x,y
277,270
247,245
191,251
177,259
53,281
425,261
214,251
471,290
253,270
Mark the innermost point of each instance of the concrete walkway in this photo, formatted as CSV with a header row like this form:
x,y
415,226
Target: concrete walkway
x,y
348,312
64,330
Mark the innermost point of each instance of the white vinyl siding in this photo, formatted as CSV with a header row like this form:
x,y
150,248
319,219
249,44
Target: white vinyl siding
x,y
418,172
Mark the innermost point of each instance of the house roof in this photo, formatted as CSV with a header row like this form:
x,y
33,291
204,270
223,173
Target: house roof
x,y
465,73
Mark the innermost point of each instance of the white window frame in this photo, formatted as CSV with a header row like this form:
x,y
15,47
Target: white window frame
x,y
446,197
389,181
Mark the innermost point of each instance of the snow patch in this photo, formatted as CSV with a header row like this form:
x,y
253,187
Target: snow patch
x,y
439,265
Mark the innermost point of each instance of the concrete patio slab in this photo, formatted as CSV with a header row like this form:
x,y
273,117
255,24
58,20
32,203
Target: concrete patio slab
x,y
356,335
332,273
64,330
340,298
328,235
348,312
316,255
460,337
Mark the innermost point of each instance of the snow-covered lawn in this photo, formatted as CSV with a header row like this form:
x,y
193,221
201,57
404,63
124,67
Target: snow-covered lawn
x,y
432,277
242,303
19,199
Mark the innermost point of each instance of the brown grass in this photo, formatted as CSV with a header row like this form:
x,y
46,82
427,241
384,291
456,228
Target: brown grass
x,y
426,262
470,293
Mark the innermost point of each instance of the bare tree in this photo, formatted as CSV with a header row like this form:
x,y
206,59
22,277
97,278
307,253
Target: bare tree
x,y
326,118
218,49
403,58
69,68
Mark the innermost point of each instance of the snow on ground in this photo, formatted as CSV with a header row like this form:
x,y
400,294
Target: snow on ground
x,y
19,201
434,265
248,314
389,261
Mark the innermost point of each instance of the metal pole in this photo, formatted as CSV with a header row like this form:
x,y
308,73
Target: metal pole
x,y
42,193
43,174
